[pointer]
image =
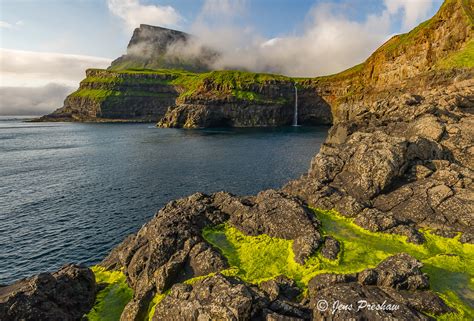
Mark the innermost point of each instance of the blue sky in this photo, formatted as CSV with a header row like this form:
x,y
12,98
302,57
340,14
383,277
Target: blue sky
x,y
45,45
88,27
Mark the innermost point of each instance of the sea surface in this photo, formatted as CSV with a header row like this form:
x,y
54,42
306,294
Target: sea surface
x,y
71,192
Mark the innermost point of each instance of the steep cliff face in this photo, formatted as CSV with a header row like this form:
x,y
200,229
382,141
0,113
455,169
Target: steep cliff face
x,y
119,96
157,48
191,100
242,99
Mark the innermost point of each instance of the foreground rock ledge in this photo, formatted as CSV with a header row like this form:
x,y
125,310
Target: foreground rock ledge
x,y
65,295
170,248
396,284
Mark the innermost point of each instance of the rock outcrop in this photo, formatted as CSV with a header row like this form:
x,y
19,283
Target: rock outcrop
x,y
170,248
395,290
226,298
65,295
401,163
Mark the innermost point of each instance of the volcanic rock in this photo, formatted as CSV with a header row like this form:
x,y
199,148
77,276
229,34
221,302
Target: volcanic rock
x,y
65,295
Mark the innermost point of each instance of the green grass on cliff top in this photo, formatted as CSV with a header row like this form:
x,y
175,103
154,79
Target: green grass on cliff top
x,y
449,263
239,84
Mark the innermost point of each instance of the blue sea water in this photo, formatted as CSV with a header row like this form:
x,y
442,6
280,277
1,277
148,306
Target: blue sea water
x,y
71,192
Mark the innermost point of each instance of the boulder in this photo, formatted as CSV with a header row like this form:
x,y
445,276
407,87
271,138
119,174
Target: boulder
x,y
395,290
65,295
225,298
278,215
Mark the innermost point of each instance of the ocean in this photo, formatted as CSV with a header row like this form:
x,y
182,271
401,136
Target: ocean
x,y
70,192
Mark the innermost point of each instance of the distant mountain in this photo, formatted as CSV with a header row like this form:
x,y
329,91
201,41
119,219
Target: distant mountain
x,y
161,48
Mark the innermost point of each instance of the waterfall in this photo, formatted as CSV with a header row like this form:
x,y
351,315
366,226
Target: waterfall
x,y
295,114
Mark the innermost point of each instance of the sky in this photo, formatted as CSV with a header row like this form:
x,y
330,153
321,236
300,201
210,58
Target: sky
x,y
46,45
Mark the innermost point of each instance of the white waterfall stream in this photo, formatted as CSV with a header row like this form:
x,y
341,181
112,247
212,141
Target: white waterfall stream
x,y
295,114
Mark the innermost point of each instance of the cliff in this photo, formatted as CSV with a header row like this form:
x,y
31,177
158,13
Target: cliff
x,y
436,46
179,98
119,96
430,54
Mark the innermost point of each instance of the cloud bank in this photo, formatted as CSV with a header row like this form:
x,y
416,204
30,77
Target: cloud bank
x,y
37,82
330,41
31,101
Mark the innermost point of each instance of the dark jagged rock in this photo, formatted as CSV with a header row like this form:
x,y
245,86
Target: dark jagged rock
x,y
65,295
270,213
224,298
281,288
330,248
397,168
396,288
170,248
167,250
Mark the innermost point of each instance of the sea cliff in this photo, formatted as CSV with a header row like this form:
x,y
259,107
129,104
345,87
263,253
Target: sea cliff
x,y
384,214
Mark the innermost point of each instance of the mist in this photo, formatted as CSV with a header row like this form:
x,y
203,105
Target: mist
x,y
328,43
32,101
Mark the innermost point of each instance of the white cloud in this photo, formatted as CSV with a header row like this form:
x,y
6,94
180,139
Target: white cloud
x,y
330,40
32,100
133,13
30,68
413,11
6,25
33,83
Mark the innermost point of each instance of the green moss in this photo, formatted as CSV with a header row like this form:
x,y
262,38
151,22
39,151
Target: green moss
x,y
152,306
463,58
255,259
103,94
110,301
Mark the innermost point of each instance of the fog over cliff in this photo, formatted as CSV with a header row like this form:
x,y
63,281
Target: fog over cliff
x,y
326,42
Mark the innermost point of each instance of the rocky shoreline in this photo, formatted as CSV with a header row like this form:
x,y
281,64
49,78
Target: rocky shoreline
x,y
398,161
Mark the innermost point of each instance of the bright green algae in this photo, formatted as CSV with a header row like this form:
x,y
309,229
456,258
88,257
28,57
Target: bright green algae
x,y
449,263
110,301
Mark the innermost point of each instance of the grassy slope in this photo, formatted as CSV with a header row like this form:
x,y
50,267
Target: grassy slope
x,y
255,259
461,59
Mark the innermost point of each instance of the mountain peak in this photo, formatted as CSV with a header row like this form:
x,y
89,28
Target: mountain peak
x,y
154,47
